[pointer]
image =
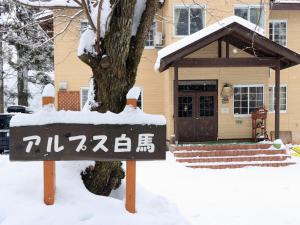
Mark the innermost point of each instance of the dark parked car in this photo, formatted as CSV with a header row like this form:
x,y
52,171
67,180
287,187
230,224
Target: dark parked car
x,y
4,125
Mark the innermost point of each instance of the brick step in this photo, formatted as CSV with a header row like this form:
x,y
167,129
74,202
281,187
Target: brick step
x,y
220,147
213,153
235,166
259,158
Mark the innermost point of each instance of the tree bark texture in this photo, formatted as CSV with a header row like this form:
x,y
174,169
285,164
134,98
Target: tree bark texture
x,y
114,72
23,87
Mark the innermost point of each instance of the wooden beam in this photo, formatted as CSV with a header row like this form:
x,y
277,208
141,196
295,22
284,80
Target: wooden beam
x,y
227,49
176,103
277,102
220,48
230,62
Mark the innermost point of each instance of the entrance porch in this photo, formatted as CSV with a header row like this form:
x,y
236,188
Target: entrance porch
x,y
231,51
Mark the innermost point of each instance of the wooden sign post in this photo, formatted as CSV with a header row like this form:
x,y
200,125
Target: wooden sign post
x,y
49,167
54,136
131,175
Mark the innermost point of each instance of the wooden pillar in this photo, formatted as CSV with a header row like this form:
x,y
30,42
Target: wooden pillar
x,y
49,168
131,176
277,102
176,102
220,48
227,49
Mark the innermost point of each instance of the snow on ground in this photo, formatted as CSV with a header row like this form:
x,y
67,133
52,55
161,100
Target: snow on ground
x,y
245,196
21,200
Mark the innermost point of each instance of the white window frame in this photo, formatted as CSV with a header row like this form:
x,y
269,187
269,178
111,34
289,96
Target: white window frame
x,y
247,85
202,6
155,30
83,21
248,6
142,97
286,34
81,90
286,98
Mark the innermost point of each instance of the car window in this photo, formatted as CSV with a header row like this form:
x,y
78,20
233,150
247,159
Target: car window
x,y
4,121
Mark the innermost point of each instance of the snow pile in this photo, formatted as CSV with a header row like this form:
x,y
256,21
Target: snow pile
x,y
87,42
48,91
21,194
48,115
50,3
244,196
202,34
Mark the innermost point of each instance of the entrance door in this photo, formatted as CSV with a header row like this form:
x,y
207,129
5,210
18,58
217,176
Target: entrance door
x,y
197,111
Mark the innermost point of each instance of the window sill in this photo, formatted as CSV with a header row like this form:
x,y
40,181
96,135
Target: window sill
x,y
149,47
281,111
241,115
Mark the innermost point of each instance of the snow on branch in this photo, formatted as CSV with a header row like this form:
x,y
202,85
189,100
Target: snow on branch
x,y
51,3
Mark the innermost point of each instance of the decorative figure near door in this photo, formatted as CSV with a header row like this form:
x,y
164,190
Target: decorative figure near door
x,y
226,93
259,124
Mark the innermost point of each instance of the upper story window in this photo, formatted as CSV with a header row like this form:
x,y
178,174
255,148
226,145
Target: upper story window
x,y
188,19
247,98
278,31
150,38
253,13
83,25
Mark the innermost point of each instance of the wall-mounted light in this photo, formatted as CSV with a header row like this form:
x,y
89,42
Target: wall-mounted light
x,y
226,93
63,85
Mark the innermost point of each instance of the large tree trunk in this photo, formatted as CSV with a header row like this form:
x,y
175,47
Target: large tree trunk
x,y
114,75
23,87
1,77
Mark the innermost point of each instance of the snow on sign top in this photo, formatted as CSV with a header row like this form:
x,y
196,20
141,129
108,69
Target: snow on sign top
x,y
203,33
49,91
48,115
134,93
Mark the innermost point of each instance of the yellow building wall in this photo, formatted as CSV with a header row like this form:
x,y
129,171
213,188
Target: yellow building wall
x,y
158,87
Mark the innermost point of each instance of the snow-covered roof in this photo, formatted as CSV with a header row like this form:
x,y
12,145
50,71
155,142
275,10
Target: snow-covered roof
x,y
203,33
286,1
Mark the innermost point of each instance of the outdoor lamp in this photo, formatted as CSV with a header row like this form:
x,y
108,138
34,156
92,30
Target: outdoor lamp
x,y
226,92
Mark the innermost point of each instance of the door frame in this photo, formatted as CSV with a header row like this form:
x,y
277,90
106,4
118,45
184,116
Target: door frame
x,y
176,94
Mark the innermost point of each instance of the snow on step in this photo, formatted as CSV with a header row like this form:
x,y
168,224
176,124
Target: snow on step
x,y
238,152
278,157
231,156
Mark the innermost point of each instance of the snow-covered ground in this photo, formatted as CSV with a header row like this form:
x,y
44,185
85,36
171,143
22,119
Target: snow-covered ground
x,y
245,196
168,194
21,200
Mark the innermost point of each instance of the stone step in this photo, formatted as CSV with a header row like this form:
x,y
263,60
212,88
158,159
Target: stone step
x,y
219,147
239,152
222,159
240,165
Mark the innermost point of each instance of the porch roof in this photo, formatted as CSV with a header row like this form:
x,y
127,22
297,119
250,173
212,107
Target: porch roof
x,y
235,31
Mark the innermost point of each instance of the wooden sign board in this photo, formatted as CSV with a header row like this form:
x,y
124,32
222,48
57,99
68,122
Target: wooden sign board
x,y
87,142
